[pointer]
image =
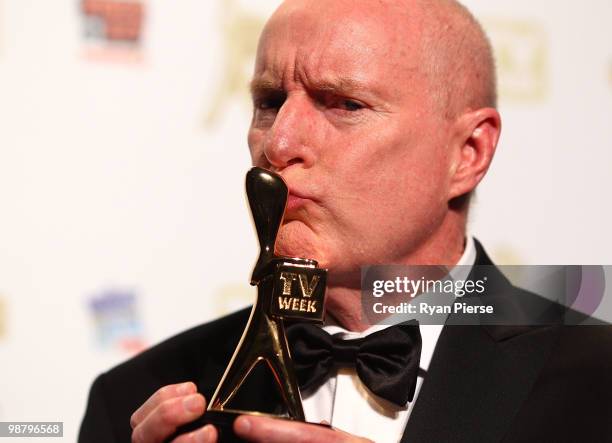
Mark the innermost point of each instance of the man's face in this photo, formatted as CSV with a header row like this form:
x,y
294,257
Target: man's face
x,y
343,114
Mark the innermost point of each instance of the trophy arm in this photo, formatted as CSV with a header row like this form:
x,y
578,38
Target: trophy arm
x,y
282,367
246,356
264,339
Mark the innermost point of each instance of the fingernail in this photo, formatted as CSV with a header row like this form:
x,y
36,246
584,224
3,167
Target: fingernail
x,y
192,403
243,425
184,388
204,435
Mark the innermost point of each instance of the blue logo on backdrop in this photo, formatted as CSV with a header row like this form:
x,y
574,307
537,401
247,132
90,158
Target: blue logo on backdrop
x,y
117,320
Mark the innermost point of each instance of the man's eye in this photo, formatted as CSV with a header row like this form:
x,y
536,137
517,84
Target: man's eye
x,y
269,103
351,105
340,104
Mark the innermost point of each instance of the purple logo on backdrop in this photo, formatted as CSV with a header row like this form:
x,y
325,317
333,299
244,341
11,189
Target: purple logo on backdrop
x,y
117,321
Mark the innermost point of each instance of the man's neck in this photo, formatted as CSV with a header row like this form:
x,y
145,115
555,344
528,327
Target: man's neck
x,y
343,304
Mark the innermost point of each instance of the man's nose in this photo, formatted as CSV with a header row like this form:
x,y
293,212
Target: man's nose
x,y
291,136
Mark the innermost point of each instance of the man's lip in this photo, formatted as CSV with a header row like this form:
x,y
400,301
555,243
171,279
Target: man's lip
x,y
299,194
295,201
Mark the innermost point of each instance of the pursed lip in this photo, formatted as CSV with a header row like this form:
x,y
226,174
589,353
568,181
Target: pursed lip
x,y
294,202
296,199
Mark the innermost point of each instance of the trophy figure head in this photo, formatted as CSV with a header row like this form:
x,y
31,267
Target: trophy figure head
x,y
267,194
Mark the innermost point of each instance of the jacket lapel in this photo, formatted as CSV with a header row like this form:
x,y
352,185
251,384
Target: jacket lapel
x,y
475,384
478,378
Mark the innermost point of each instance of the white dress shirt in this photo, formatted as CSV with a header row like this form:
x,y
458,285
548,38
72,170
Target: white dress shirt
x,y
345,403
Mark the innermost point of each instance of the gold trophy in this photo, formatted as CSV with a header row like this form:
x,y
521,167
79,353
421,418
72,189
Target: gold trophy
x,y
287,289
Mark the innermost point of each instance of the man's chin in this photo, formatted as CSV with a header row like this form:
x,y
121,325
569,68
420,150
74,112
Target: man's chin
x,y
297,249
339,273
297,240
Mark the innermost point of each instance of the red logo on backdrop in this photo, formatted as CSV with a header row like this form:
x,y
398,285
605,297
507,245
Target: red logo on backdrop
x,y
114,29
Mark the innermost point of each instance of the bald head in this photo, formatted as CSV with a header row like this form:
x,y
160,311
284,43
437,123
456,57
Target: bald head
x,y
440,39
457,55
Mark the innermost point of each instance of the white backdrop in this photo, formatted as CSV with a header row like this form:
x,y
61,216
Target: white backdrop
x,y
122,165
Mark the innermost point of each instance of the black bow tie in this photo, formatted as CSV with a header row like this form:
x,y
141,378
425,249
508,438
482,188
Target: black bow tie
x,y
387,361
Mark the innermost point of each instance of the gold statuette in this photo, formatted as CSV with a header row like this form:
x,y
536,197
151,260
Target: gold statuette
x,y
287,289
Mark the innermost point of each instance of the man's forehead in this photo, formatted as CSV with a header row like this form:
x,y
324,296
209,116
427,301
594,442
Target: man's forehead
x,y
331,70
340,45
317,14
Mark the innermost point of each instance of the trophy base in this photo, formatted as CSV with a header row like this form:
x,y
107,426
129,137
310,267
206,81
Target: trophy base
x,y
224,422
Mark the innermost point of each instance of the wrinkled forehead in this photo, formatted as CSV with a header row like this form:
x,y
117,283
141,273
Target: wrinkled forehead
x,y
339,35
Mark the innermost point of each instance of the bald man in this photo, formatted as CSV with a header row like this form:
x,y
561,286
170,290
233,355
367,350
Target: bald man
x,y
380,116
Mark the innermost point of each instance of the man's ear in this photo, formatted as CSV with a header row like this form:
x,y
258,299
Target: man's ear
x,y
476,136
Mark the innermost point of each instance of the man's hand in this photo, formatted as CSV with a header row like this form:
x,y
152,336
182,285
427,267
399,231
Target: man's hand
x,y
168,408
270,430
176,405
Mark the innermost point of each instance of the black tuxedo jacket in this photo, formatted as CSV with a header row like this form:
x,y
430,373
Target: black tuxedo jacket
x,y
484,383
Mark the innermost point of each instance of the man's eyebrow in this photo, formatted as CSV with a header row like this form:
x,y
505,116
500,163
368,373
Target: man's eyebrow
x,y
262,85
340,85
